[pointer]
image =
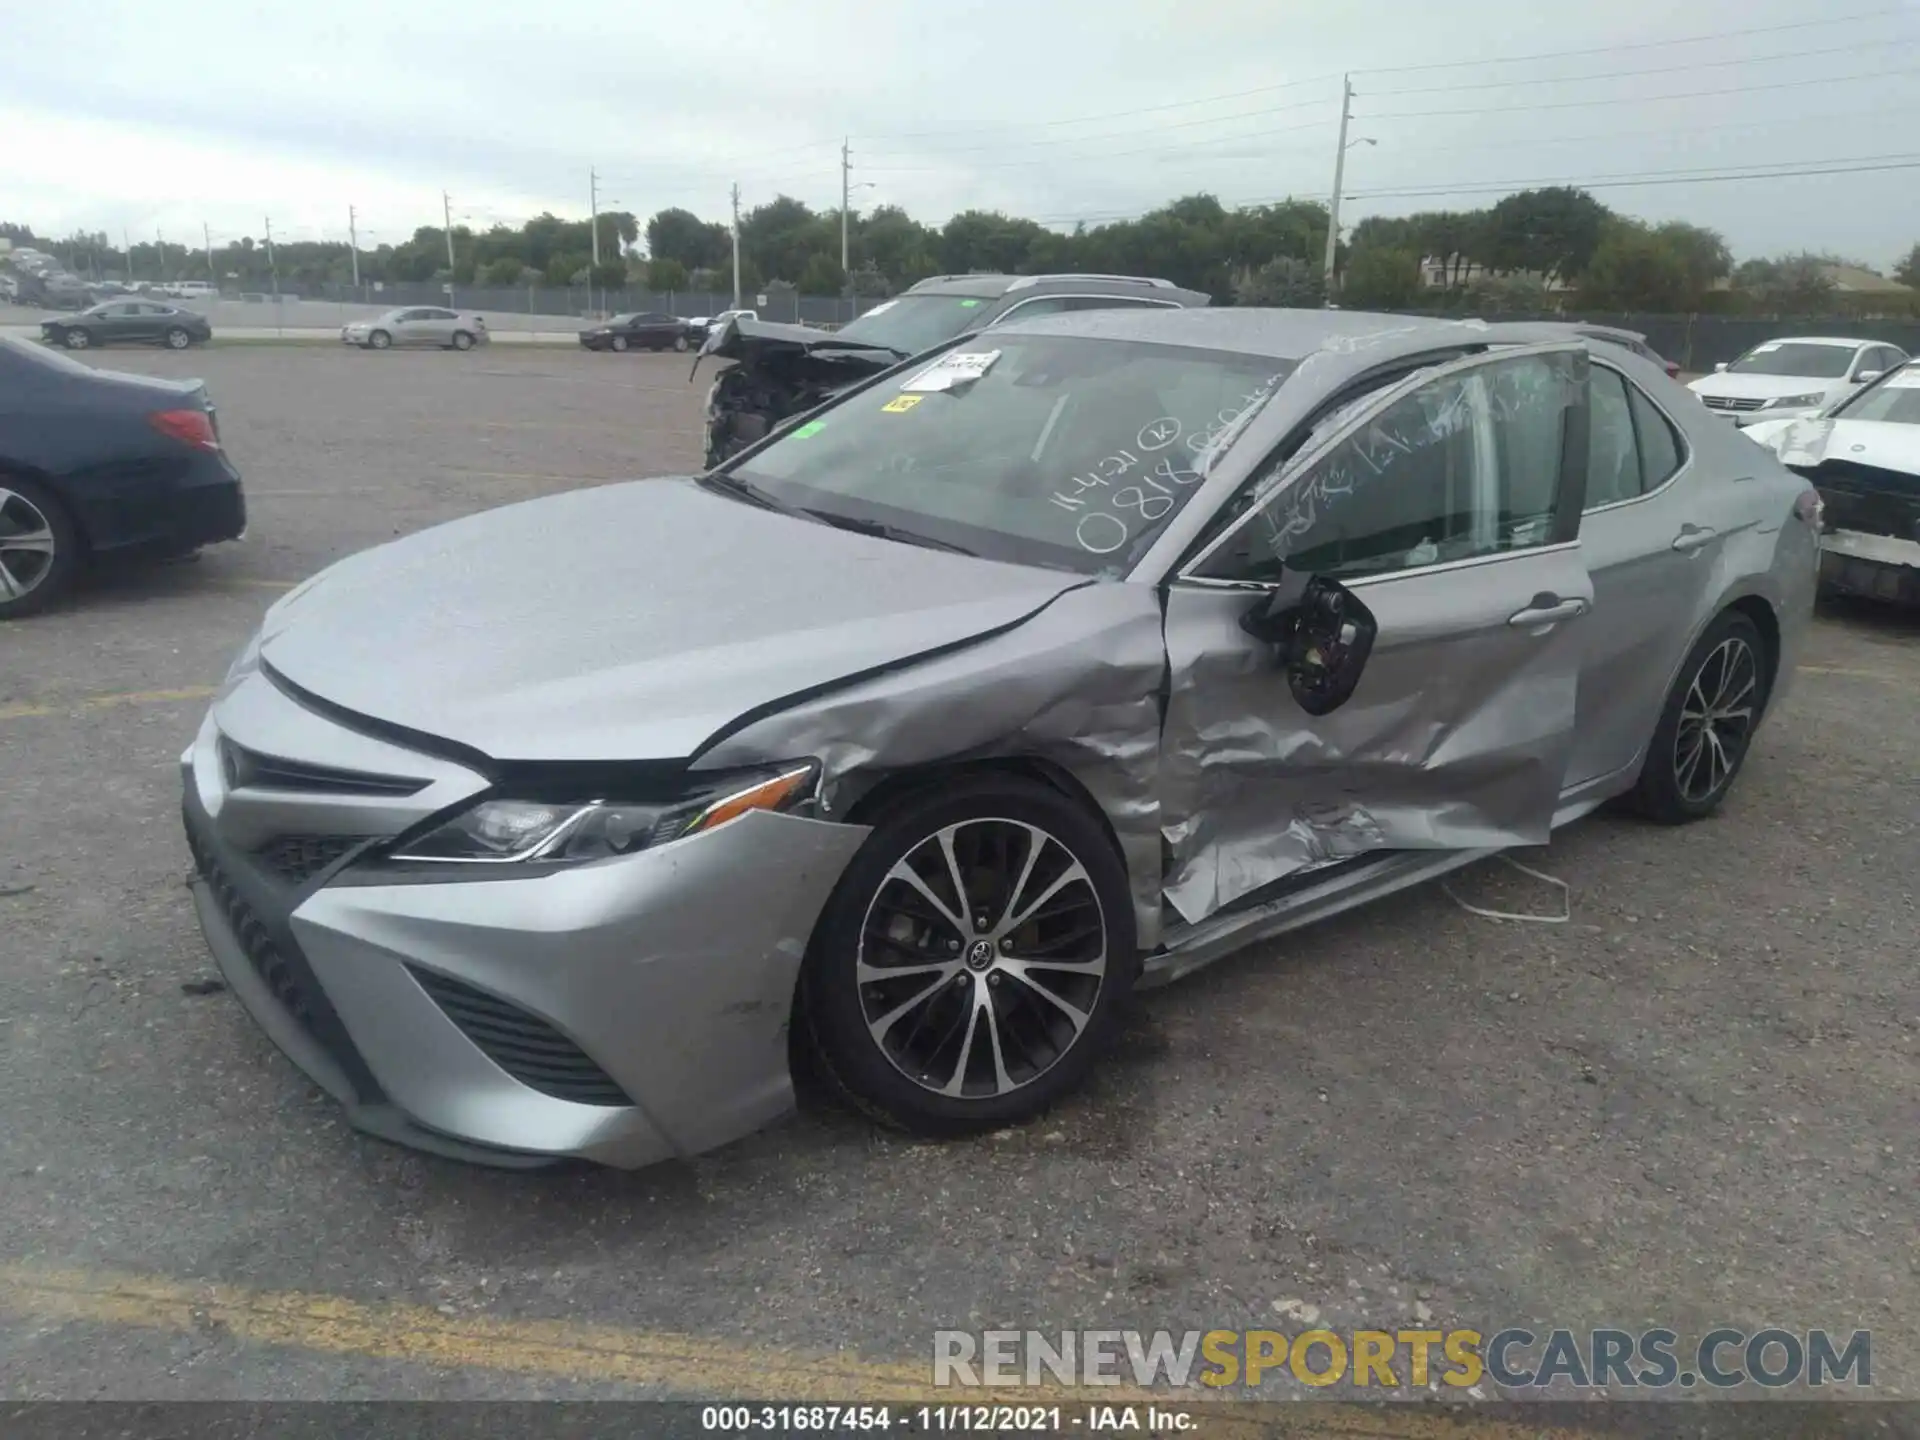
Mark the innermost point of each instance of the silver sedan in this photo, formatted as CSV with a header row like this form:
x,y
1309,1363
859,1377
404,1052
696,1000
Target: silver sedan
x,y
919,734
429,326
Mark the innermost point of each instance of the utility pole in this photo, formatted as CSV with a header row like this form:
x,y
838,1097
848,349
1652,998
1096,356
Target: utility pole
x,y
207,235
273,270
127,241
593,222
446,209
846,190
160,243
353,244
736,244
1339,179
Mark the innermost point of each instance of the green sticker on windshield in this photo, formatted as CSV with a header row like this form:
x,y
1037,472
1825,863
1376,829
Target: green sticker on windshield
x,y
812,427
968,304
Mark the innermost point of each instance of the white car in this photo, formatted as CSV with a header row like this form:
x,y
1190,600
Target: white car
x,y
1863,455
1794,376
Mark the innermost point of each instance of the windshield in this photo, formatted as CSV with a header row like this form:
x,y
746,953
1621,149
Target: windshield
x,y
1792,357
1051,450
621,320
1895,400
914,323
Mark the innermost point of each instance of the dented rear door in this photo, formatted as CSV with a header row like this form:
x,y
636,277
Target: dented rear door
x,y
1449,507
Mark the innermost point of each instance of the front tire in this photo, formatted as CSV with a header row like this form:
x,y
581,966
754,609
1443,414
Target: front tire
x,y
380,340
39,548
1707,725
974,959
77,339
680,342
619,343
178,339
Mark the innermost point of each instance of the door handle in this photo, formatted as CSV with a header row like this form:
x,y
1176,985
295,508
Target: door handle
x,y
1546,609
1692,538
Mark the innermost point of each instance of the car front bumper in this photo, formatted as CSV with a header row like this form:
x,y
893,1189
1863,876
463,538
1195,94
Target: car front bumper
x,y
1879,567
469,1017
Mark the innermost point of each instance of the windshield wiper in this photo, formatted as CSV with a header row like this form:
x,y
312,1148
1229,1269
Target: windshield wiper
x,y
885,531
740,489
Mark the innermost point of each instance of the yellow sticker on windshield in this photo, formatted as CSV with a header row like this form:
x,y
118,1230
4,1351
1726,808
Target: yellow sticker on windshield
x,y
902,402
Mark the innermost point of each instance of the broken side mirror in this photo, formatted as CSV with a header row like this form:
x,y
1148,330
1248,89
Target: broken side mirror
x,y
1323,634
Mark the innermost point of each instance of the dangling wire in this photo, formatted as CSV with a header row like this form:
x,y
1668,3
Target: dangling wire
x,y
1566,898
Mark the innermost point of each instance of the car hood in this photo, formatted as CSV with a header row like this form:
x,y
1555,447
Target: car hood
x,y
750,341
627,622
1762,387
1877,443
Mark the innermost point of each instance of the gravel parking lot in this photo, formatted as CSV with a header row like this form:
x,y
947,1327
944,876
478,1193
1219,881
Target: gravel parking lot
x,y
1693,1105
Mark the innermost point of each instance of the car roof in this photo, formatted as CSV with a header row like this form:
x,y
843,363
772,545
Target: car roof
x,y
1824,340
1279,334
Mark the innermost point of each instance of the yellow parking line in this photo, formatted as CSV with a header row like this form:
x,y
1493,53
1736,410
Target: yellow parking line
x,y
107,702
683,1364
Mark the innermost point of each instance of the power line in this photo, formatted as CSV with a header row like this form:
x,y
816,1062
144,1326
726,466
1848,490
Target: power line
x,y
1652,70
1117,134
1791,121
1638,99
1103,155
1111,114
1857,165
1637,45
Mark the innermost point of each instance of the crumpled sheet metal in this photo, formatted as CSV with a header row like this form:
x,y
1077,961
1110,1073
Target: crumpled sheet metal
x,y
1077,685
1255,790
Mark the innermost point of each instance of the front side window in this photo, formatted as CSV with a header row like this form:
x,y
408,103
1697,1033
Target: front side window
x,y
1063,451
1794,357
1467,465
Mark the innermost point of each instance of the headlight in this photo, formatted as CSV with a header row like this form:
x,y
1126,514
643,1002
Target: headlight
x,y
1791,402
503,832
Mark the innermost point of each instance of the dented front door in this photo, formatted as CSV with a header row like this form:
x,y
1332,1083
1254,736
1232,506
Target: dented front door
x,y
1449,508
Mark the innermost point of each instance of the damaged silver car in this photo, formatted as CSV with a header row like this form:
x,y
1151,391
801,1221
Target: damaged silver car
x,y
782,371
909,742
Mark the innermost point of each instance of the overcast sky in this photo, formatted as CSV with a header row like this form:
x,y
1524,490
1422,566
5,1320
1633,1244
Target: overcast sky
x,y
135,116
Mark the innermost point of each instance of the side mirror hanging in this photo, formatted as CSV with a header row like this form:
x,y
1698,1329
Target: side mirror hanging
x,y
1324,636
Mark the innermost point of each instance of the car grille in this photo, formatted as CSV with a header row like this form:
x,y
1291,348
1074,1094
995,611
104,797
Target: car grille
x,y
298,858
1733,402
295,990
256,771
523,1045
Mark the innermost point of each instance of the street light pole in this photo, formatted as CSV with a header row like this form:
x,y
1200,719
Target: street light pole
x,y
1339,179
353,243
736,244
446,210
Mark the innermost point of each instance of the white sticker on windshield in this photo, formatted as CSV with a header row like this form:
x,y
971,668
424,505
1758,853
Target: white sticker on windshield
x,y
1768,348
951,370
881,308
1907,379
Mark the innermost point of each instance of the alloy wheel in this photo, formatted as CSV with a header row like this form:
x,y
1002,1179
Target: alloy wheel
x,y
26,545
78,339
178,339
619,342
1716,719
982,956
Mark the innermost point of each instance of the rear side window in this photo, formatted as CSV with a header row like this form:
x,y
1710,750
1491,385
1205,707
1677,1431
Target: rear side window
x,y
1613,450
1660,448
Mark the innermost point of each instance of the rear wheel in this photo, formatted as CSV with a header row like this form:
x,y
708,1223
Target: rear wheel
x,y
680,342
1707,726
462,340
178,339
619,342
974,959
39,548
77,339
380,340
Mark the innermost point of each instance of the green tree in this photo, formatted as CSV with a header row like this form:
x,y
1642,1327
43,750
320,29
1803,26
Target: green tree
x,y
1380,279
502,272
666,275
1702,253
1551,233
608,275
1284,281
1635,268
1791,285
822,275
1907,272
